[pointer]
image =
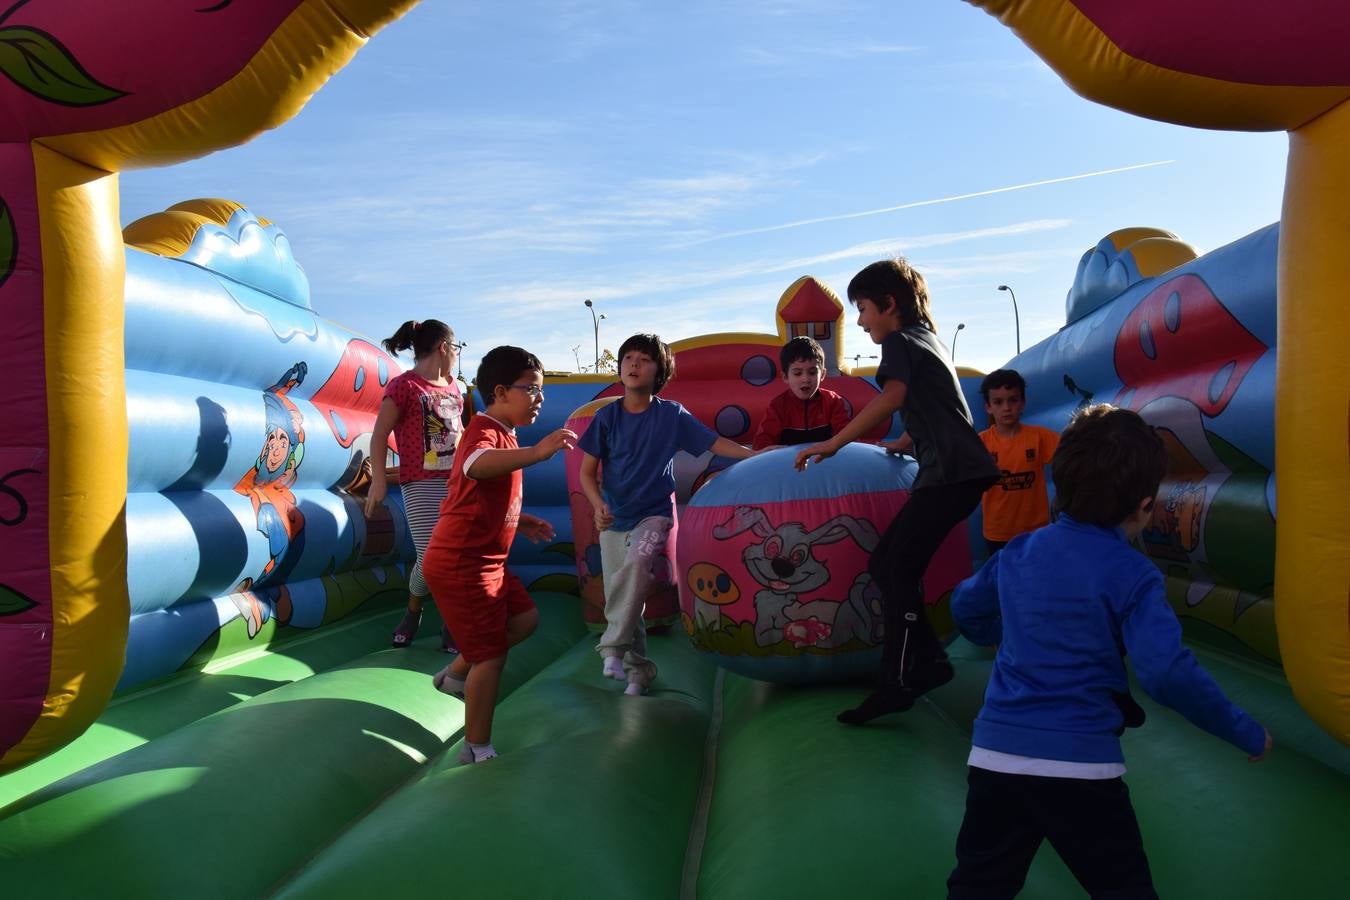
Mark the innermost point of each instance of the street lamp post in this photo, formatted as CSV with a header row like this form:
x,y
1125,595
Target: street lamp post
x,y
1017,320
959,326
595,322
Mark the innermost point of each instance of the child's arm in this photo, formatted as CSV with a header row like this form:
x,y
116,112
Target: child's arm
x,y
535,528
1170,673
975,606
379,453
903,444
590,486
695,438
729,448
879,409
491,463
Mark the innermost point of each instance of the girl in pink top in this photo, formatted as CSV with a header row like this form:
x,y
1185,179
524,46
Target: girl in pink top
x,y
424,409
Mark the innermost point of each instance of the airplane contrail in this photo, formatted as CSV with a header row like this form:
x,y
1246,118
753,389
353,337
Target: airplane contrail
x,y
933,202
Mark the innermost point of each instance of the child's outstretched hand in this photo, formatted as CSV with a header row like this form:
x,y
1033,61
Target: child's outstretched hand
x,y
535,528
814,453
603,517
1270,742
562,439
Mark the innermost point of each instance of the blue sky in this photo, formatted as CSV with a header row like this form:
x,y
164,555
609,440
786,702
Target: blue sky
x,y
682,164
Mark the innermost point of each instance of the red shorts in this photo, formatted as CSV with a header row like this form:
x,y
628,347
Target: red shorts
x,y
475,603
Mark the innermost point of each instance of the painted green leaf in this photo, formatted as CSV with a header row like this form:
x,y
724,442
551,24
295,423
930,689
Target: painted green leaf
x,y
9,242
12,602
41,65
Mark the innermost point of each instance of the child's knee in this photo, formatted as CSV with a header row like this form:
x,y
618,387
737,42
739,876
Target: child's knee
x,y
487,667
522,625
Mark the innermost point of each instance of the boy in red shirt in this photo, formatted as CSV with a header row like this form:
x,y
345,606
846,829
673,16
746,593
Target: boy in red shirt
x,y
1019,502
485,605
805,413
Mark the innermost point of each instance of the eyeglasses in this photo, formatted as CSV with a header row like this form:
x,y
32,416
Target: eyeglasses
x,y
458,345
533,390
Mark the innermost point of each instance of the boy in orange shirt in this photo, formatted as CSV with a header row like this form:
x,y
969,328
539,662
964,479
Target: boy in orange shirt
x,y
1019,502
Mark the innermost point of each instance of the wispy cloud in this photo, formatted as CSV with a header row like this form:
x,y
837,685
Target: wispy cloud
x,y
534,296
794,54
894,246
931,202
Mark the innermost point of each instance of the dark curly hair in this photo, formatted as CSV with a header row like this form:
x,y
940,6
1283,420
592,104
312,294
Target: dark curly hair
x,y
1003,378
501,366
1108,461
801,349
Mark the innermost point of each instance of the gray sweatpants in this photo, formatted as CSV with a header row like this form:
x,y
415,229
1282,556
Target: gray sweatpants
x,y
629,561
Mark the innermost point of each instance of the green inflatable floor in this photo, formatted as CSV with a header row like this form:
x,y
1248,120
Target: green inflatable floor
x,y
326,769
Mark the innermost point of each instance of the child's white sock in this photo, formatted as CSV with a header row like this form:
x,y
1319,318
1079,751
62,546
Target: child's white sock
x,y
476,753
447,683
635,689
614,668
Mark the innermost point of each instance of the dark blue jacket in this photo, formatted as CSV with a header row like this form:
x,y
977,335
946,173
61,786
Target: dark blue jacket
x,y
1065,603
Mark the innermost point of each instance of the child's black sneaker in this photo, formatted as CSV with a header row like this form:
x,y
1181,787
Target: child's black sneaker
x,y
926,676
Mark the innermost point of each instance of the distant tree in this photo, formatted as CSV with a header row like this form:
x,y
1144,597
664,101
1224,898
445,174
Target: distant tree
x,y
608,363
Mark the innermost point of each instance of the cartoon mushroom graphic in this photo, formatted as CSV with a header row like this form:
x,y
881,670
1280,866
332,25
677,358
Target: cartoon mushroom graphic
x,y
712,588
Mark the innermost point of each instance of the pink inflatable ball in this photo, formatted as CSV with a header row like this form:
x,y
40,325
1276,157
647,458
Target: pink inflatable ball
x,y
663,606
773,576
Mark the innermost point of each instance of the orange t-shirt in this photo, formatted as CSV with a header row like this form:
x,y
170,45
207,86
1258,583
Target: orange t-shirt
x,y
1019,501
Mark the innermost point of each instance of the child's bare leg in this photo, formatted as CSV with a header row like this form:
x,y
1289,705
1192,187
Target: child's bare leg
x,y
520,626
451,679
480,701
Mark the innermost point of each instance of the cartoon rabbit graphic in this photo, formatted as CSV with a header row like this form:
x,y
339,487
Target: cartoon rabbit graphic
x,y
785,568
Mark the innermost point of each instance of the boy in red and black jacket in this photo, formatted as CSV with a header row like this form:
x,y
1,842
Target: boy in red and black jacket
x,y
805,413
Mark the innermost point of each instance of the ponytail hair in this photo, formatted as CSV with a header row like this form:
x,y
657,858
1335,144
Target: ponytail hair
x,y
897,279
423,337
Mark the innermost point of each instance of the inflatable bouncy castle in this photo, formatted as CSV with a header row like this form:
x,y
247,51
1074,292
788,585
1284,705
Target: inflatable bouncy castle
x,y
196,696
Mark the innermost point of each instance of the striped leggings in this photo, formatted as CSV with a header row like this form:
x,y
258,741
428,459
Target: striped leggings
x,y
422,504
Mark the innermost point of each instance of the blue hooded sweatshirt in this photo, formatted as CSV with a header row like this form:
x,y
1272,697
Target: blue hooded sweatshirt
x,y
1065,603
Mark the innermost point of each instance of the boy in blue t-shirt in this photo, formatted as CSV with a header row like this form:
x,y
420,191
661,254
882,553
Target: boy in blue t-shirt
x,y
1063,604
637,438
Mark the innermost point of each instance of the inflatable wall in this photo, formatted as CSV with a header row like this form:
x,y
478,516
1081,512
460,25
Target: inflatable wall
x,y
1178,64
249,418
177,82
1192,349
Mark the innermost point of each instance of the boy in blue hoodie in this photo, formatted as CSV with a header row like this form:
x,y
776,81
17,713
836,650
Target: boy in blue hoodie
x,y
1064,604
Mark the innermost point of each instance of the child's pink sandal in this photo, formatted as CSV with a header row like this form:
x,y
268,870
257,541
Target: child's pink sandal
x,y
407,628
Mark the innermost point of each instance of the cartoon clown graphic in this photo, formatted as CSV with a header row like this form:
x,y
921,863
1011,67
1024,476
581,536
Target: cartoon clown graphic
x,y
268,486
